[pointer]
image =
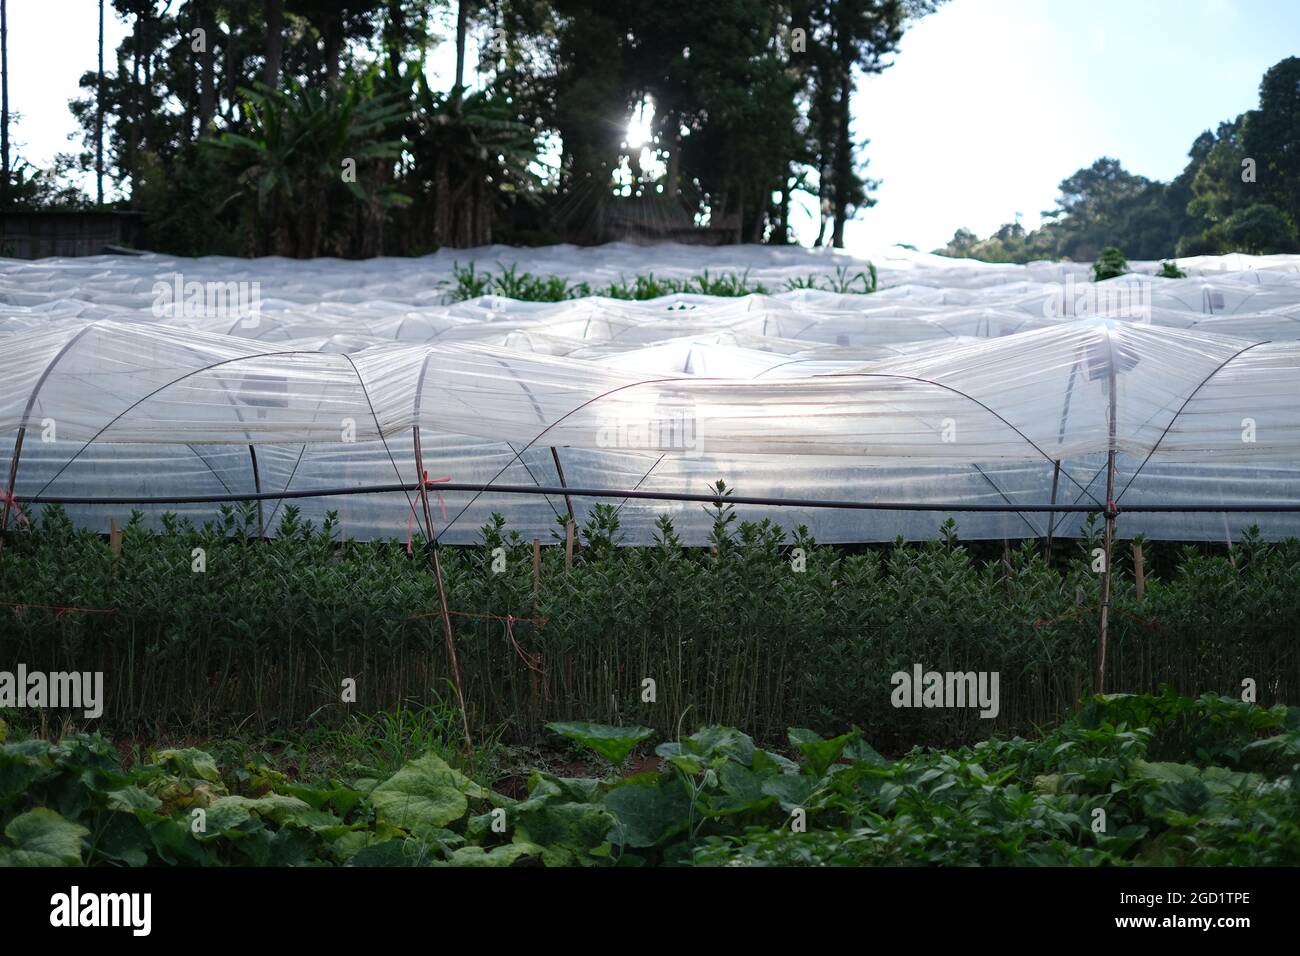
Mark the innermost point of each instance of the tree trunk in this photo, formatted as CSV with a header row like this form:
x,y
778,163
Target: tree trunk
x,y
133,138
784,236
674,160
396,36
273,12
441,201
99,115
207,68
761,209
333,45
843,157
4,102
739,236
483,235
232,72
462,28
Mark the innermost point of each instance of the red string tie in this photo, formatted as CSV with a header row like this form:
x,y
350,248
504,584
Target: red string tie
x,y
9,498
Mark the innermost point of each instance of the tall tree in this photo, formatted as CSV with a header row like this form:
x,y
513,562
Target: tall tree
x,y
462,31
1272,137
99,114
4,100
207,66
861,34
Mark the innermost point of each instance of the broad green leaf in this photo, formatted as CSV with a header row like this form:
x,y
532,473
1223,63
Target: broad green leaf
x,y
714,740
819,753
576,828
41,837
790,790
424,795
566,789
190,762
612,743
862,752
133,800
395,852
506,855
1163,772
225,813
648,813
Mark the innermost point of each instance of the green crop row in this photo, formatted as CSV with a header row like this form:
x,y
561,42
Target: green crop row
x,y
509,282
748,633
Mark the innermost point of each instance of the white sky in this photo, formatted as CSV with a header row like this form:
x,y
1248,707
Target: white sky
x,y
990,103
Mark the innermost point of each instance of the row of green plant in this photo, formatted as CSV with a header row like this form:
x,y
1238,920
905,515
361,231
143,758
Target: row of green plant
x,y
1150,780
1111,264
749,632
510,283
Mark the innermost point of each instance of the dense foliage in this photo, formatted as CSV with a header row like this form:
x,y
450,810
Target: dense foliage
x,y
738,103
1153,780
734,634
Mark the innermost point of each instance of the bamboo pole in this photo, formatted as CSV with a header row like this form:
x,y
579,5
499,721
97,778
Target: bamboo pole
x,y
1139,571
1103,635
1051,515
537,567
257,486
559,472
431,547
9,487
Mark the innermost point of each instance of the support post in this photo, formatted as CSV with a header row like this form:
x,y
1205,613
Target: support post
x,y
559,471
1051,515
1111,511
431,546
1139,571
1104,634
257,486
537,567
9,487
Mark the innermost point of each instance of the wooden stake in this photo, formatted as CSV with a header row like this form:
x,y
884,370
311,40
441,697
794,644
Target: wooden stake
x,y
1139,570
568,544
431,549
537,566
114,538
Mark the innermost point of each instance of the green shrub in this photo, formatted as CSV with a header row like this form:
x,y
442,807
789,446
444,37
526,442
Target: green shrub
x,y
1109,265
1090,793
266,635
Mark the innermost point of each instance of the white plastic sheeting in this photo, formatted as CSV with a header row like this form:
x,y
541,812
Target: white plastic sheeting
x,y
958,383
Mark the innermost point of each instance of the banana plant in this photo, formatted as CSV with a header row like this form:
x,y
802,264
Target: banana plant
x,y
312,161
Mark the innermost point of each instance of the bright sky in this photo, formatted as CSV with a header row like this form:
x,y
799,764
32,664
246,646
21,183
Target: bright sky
x,y
990,103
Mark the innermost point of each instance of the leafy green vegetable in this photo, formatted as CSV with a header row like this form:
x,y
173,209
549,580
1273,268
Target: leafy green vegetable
x,y
612,743
41,837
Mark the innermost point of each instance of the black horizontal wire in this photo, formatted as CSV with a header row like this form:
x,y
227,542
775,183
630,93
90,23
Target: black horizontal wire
x,y
662,496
